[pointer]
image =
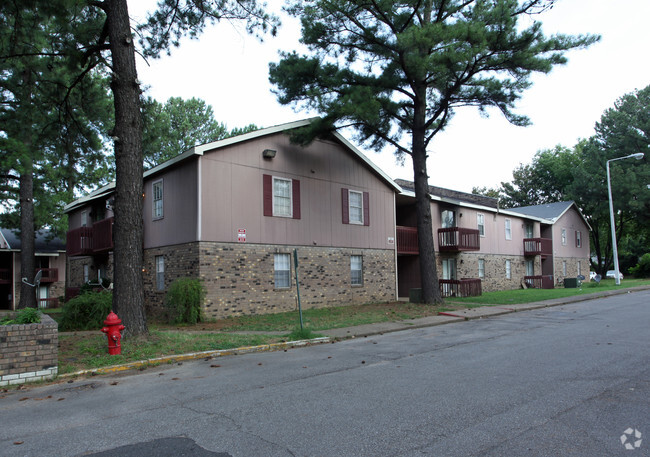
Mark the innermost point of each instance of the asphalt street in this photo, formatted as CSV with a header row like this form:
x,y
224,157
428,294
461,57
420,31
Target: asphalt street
x,y
572,380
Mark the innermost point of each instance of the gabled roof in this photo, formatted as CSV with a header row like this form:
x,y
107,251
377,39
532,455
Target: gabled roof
x,y
551,212
203,148
452,196
44,242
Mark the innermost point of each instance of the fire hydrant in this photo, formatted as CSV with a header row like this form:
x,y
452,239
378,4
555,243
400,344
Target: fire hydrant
x,y
113,327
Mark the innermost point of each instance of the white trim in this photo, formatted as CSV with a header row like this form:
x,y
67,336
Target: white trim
x,y
199,202
360,222
507,226
479,225
290,181
154,216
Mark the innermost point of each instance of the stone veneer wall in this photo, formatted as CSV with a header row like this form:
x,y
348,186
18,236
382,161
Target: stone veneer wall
x,y
571,268
239,278
75,276
29,352
495,269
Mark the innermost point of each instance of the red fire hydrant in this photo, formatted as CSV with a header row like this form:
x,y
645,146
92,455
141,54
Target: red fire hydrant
x,y
113,327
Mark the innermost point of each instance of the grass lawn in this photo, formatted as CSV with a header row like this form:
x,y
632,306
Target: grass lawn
x,y
87,350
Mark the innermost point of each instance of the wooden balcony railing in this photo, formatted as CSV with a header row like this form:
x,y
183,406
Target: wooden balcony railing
x,y
103,235
538,246
90,240
48,302
407,240
49,274
539,282
5,276
466,287
456,239
79,241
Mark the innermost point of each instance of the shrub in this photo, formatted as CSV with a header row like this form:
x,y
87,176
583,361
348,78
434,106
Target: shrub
x,y
24,316
86,311
184,301
642,269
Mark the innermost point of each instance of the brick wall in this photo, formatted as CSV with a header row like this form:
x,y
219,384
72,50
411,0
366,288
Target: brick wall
x,y
239,278
29,352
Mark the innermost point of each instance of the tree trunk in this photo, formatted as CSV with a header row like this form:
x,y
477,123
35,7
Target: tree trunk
x,y
27,265
128,297
428,271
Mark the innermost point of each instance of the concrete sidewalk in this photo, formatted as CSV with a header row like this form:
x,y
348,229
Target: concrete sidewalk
x,y
364,330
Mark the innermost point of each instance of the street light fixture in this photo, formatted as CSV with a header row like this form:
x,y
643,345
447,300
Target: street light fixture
x,y
637,156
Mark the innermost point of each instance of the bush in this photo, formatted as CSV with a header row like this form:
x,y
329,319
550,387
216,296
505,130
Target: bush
x,y
642,269
86,311
24,316
184,301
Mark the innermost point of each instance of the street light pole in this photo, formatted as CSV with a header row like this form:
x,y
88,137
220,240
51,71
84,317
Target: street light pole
x,y
617,274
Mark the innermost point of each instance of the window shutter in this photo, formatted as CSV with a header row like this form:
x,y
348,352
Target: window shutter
x,y
345,206
295,189
366,208
267,189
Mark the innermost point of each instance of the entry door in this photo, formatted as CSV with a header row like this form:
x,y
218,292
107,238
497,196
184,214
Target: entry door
x,y
43,295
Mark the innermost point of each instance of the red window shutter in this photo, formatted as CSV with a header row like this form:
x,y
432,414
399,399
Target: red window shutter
x,y
267,189
345,206
366,208
295,189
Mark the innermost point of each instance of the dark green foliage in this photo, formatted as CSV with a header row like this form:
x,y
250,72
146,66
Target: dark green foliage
x,y
87,311
642,269
24,316
184,301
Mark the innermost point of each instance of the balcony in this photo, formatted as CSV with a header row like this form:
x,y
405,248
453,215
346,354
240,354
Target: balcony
x,y
90,240
48,275
457,239
466,287
407,240
538,246
539,282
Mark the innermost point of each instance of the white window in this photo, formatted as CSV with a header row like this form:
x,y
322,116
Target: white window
x,y
563,237
530,268
564,268
481,268
480,222
86,273
355,203
356,270
157,191
84,218
448,219
282,271
508,229
579,268
508,269
578,239
282,203
160,272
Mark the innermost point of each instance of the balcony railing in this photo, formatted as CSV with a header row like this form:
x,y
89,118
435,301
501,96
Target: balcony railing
x,y
466,287
539,282
90,240
407,240
538,246
456,239
49,274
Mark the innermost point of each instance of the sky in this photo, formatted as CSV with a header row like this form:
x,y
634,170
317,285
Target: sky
x,y
229,70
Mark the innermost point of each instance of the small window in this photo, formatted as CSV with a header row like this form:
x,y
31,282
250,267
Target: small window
x,y
481,268
578,239
564,268
356,207
508,269
157,190
84,218
579,268
160,272
356,270
86,273
508,229
480,222
282,271
563,237
448,218
282,197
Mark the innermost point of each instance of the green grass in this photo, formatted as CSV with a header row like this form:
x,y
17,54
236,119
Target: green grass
x,y
509,297
81,351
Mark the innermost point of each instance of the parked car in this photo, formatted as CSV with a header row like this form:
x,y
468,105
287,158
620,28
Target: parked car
x,y
612,275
